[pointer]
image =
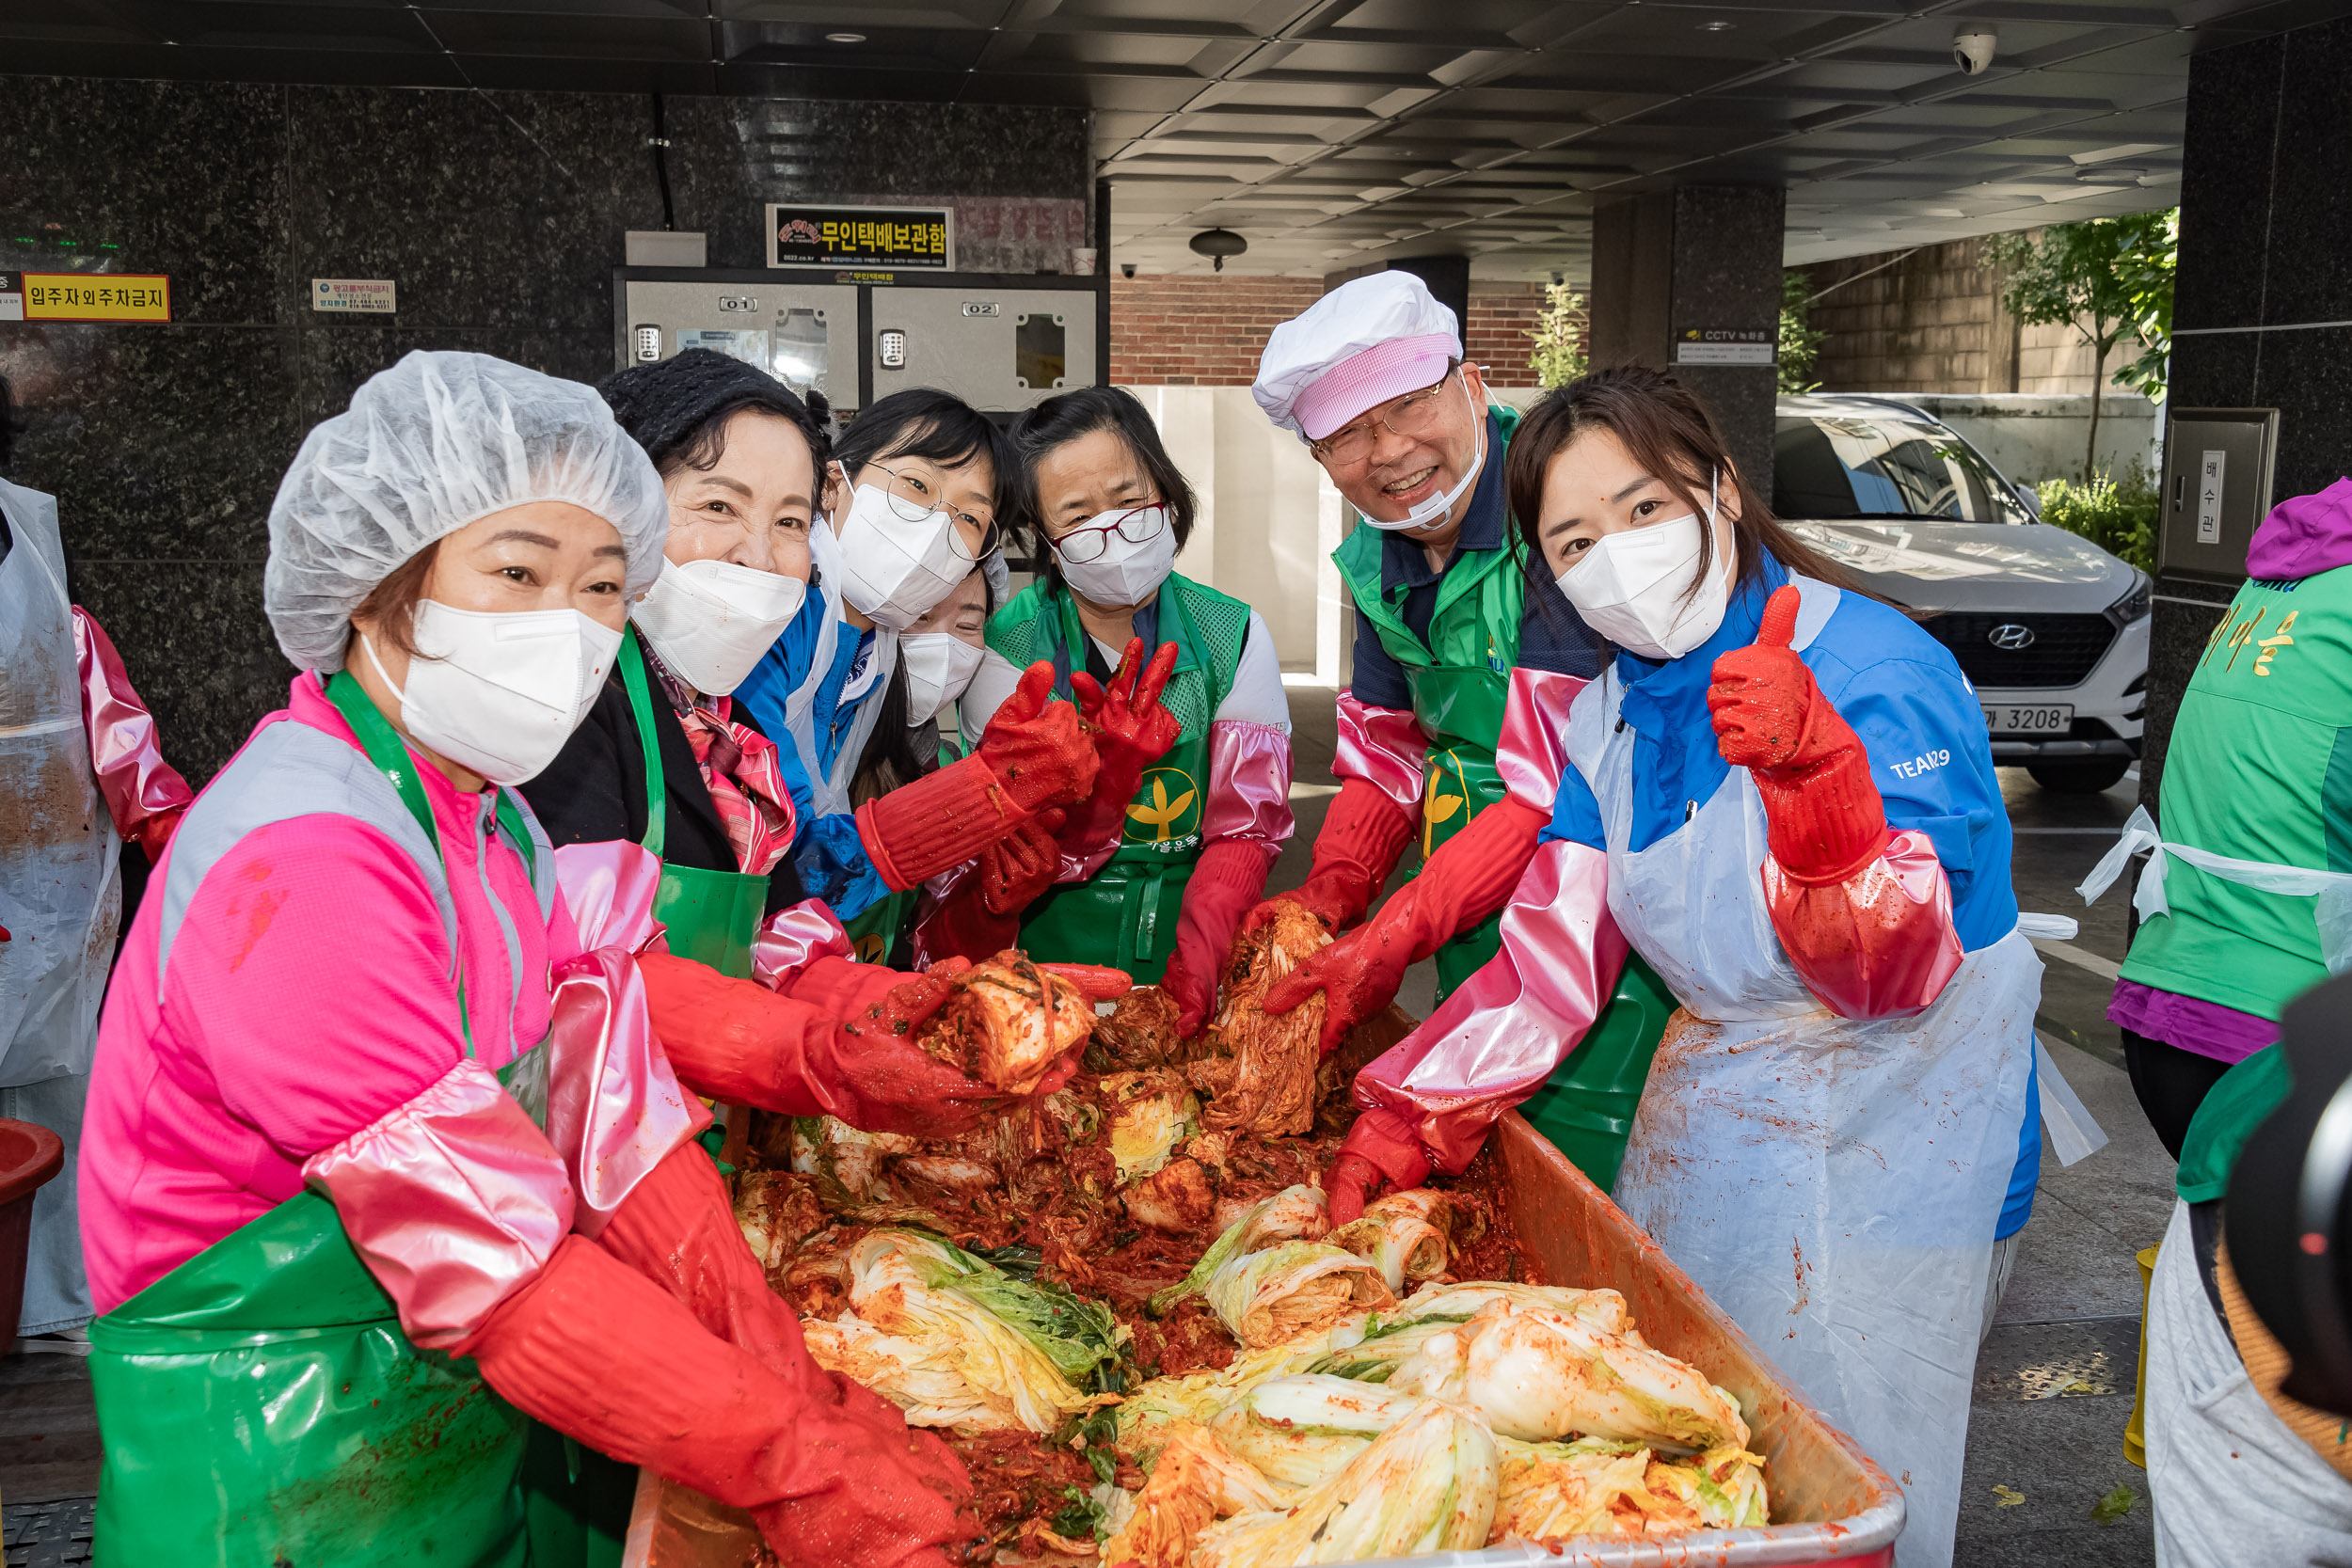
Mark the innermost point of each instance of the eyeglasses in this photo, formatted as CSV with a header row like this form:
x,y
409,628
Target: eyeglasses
x,y
1413,416
912,498
1136,526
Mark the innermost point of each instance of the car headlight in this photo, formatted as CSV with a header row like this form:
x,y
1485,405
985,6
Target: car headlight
x,y
2134,602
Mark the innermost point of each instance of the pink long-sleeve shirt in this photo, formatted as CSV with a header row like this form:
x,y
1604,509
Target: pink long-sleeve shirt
x,y
309,993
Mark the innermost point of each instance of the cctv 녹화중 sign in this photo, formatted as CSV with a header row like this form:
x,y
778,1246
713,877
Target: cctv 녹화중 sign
x,y
85,297
1725,345
910,239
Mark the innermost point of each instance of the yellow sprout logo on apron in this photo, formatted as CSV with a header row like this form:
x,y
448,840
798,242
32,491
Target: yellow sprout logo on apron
x,y
1440,806
1165,810
870,947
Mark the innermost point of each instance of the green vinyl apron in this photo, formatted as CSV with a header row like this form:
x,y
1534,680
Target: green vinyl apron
x,y
1460,680
1126,915
712,917
260,1405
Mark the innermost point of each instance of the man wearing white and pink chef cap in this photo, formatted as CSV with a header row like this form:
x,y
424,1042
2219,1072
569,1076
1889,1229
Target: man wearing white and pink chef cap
x,y
1372,378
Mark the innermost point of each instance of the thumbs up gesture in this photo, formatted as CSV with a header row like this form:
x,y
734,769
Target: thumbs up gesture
x,y
1762,697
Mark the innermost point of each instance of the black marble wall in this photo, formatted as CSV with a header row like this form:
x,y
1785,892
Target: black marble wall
x,y
2265,242
1697,256
500,218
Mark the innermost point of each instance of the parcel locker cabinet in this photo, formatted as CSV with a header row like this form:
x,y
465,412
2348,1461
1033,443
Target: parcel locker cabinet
x,y
1000,350
803,333
1002,343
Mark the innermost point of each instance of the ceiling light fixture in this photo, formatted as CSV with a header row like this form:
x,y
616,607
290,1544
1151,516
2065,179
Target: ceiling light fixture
x,y
1218,244
1718,26
845,38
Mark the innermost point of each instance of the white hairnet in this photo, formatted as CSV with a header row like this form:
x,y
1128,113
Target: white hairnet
x,y
425,448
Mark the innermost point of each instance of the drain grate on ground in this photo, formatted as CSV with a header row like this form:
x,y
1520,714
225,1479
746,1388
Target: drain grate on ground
x,y
2058,1360
48,1535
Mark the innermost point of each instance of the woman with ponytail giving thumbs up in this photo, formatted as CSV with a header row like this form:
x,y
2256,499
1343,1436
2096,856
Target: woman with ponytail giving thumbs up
x,y
1778,793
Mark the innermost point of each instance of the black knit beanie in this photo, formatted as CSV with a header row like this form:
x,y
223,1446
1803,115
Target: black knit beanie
x,y
666,406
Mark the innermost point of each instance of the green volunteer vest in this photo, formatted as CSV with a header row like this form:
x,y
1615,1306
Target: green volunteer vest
x,y
2260,768
712,917
1125,914
261,1403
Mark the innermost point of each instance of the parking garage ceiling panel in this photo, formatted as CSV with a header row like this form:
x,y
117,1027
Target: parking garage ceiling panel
x,y
1334,132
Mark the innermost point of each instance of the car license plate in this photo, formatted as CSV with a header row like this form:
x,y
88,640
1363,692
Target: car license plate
x,y
2048,719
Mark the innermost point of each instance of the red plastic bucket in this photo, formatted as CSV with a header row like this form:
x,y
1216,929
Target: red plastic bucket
x,y
29,1156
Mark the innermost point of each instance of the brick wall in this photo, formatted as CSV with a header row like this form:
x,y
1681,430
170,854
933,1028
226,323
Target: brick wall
x,y
1193,331
1932,322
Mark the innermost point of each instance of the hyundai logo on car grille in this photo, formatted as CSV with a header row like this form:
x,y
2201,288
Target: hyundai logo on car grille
x,y
2010,637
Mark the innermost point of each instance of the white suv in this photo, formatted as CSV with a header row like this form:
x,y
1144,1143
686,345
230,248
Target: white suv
x,y
2050,629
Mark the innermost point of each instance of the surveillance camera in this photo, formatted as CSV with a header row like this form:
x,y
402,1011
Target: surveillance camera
x,y
1126,269
1973,51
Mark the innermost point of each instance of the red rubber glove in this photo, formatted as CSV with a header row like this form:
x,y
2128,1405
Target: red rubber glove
x,y
1470,878
1035,753
830,1473
1826,818
678,1229
1364,833
1131,731
1379,1149
837,1045
1015,871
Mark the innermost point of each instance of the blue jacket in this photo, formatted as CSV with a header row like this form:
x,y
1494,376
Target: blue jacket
x,y
1917,717
826,850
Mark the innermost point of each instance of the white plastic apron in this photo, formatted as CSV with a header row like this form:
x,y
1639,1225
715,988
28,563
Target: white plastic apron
x,y
830,791
1834,1184
59,897
2231,1484
2332,889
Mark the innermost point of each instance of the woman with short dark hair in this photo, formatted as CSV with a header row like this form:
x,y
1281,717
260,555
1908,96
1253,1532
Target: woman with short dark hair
x,y
1153,873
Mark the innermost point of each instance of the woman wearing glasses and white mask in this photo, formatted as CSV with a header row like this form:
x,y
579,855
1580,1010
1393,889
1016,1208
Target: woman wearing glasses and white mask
x,y
942,652
912,500
1780,794
1192,803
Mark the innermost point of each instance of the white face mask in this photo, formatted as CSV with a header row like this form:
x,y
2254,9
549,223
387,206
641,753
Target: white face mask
x,y
1125,573
893,572
1633,587
1434,509
710,621
939,666
500,694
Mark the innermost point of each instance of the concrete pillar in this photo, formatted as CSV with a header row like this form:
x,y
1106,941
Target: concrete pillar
x,y
1683,276
2260,295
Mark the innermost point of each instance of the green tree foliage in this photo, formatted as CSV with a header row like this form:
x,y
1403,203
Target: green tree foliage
x,y
1558,337
1800,340
2117,514
2105,277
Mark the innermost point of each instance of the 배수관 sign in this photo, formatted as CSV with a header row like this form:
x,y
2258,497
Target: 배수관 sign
x,y
911,239
376,297
85,297
1725,345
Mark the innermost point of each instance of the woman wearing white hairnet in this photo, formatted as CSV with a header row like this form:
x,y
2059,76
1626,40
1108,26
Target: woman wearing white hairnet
x,y
382,1162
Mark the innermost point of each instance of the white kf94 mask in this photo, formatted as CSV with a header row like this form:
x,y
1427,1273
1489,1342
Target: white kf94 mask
x,y
939,665
1125,573
892,571
500,694
1635,587
710,621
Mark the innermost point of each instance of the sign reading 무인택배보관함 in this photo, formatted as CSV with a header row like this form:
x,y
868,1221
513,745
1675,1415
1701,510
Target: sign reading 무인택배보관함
x,y
911,239
85,297
1725,345
376,297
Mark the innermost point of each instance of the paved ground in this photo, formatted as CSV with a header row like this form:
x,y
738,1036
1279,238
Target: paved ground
x,y
2054,1386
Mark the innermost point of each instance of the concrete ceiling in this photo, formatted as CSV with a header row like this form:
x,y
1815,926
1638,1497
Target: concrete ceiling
x,y
1338,133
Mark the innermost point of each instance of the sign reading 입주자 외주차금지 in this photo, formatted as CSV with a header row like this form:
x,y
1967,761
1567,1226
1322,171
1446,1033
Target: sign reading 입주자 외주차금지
x,y
911,239
85,297
1725,345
